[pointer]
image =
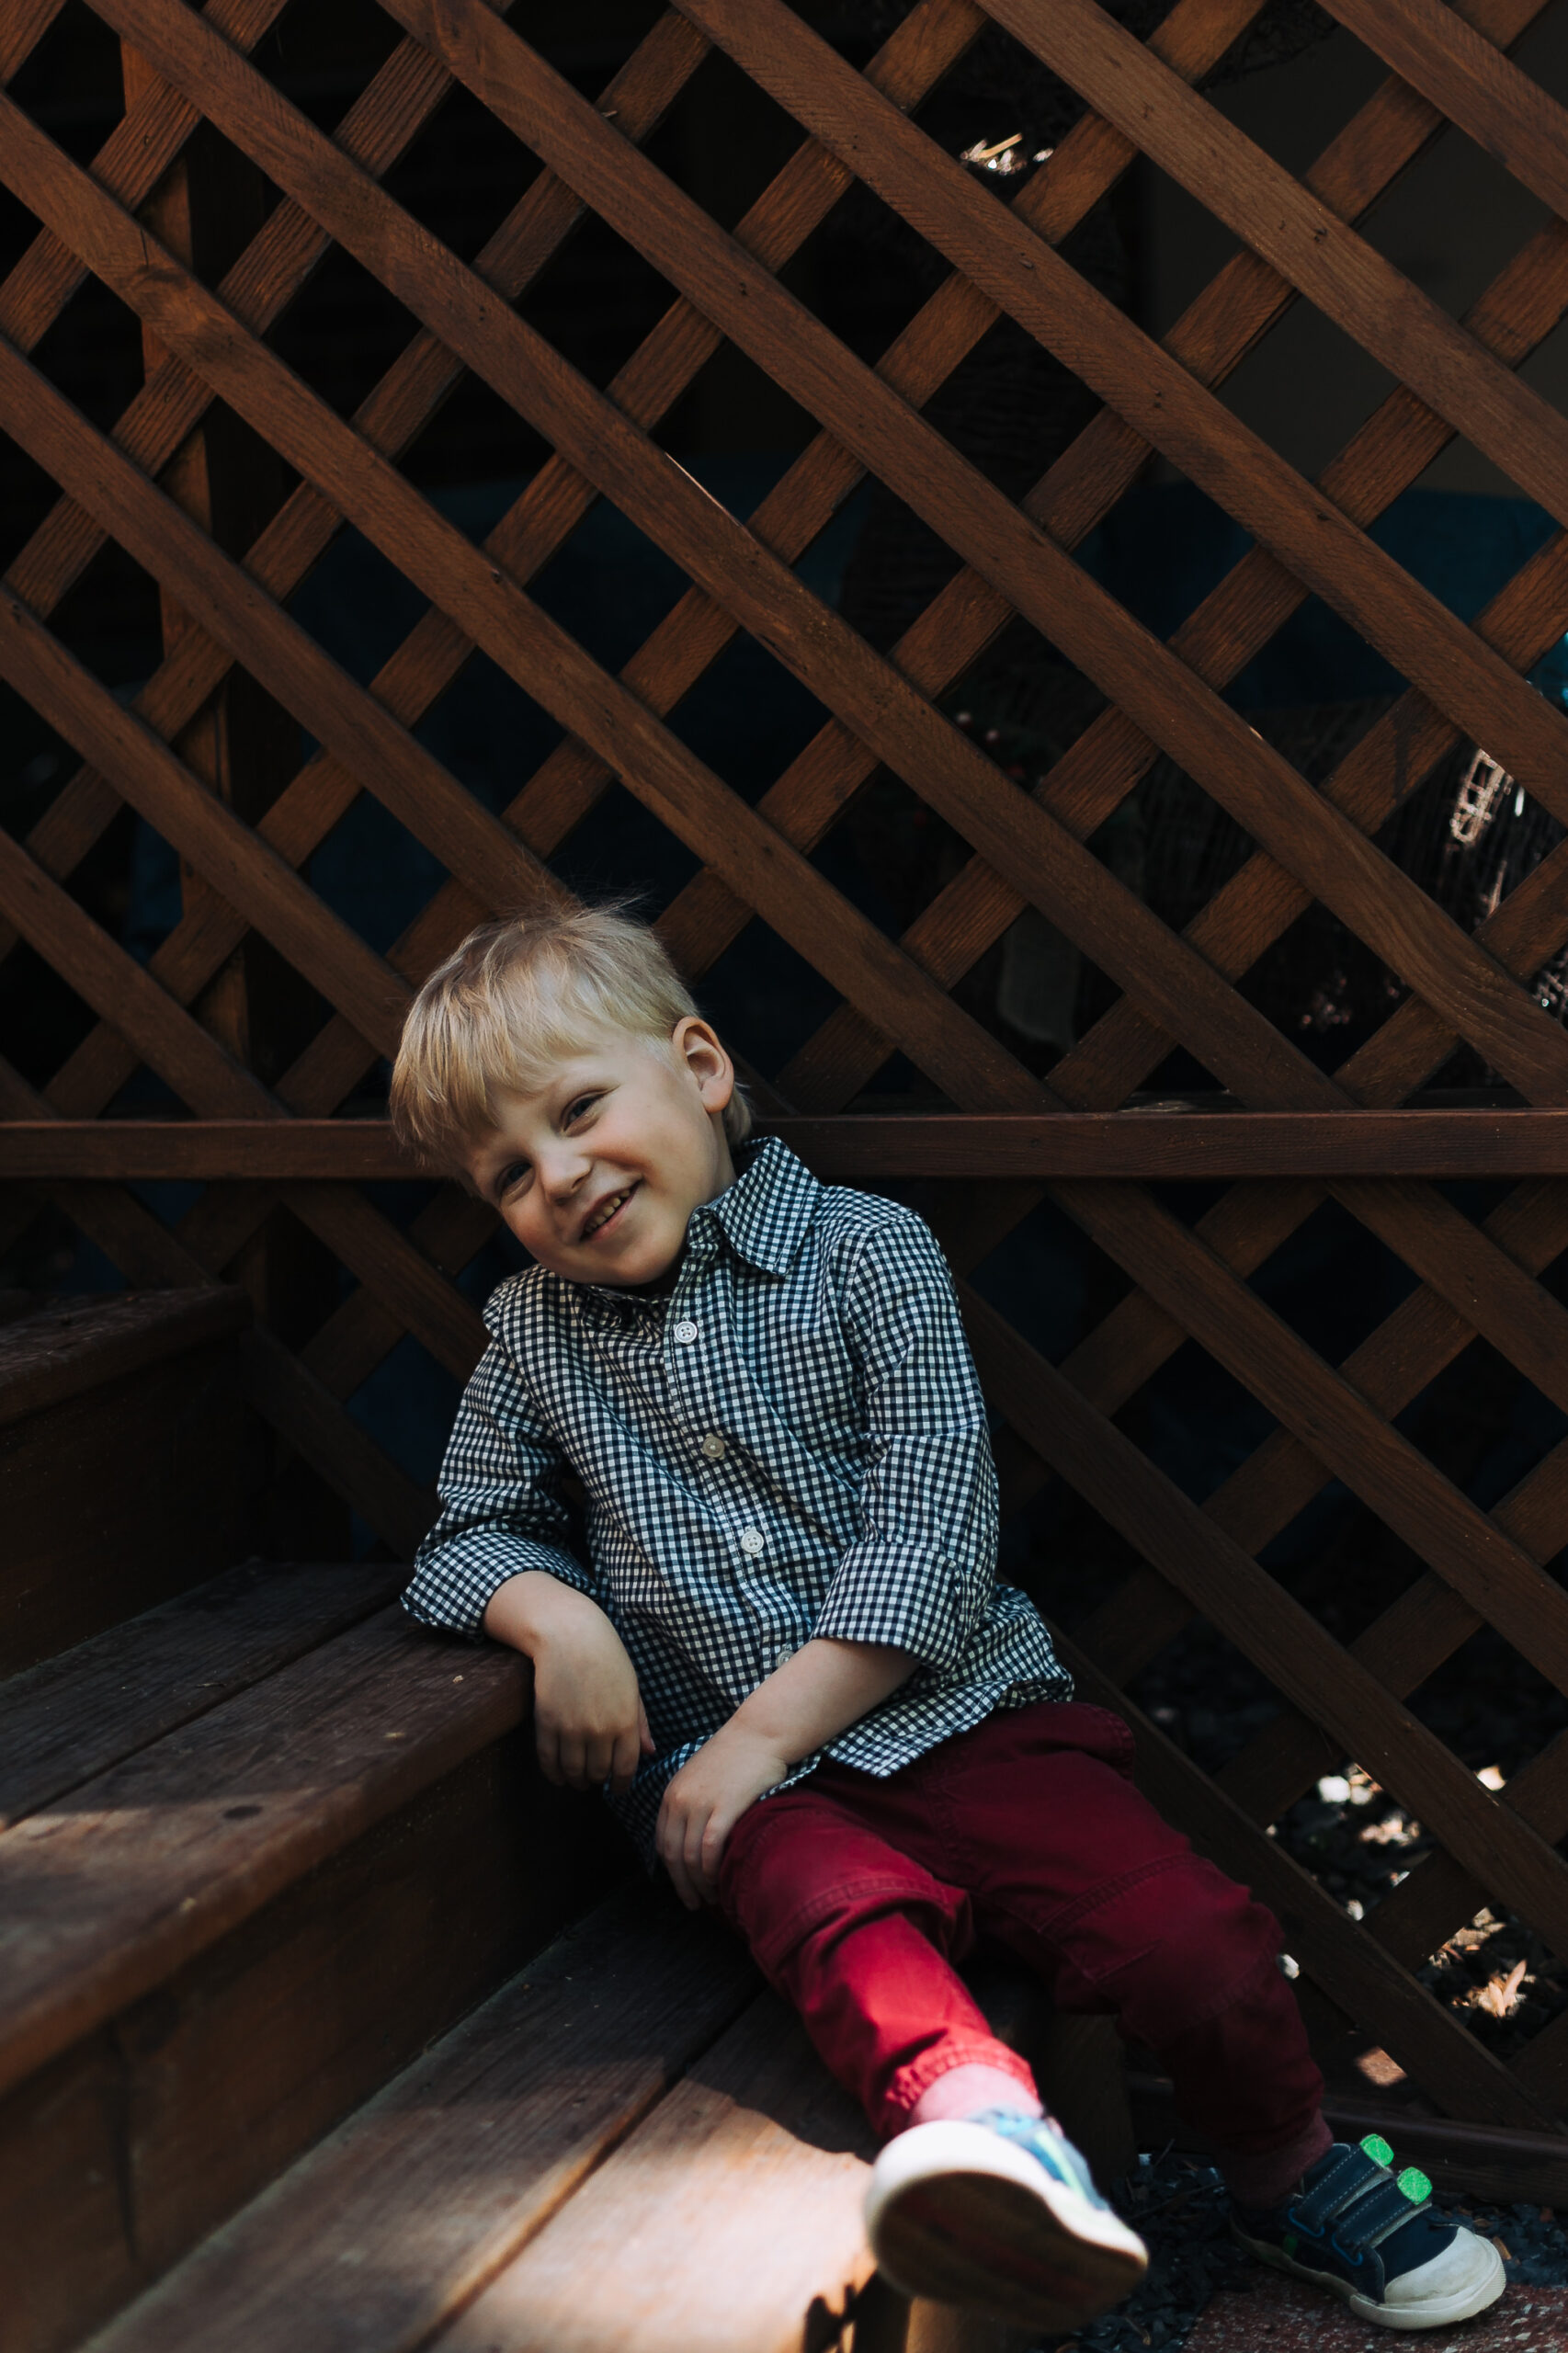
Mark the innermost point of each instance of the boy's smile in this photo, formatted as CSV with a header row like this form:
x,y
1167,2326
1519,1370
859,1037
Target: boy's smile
x,y
598,1171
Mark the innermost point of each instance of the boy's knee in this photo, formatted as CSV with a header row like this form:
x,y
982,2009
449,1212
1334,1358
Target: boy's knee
x,y
1177,1949
800,1874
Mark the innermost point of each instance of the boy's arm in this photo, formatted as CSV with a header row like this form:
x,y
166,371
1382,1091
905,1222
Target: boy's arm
x,y
497,1560
589,1725
802,1706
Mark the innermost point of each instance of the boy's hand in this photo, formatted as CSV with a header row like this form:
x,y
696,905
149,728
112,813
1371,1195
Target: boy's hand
x,y
589,1724
706,1799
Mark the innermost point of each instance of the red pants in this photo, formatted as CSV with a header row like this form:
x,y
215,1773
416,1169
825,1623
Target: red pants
x,y
857,1896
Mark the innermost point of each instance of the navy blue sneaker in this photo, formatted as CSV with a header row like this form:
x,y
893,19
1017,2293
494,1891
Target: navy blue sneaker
x,y
1373,2238
999,2212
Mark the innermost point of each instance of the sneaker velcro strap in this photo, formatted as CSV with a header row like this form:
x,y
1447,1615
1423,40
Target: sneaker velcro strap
x,y
1371,2218
1338,2189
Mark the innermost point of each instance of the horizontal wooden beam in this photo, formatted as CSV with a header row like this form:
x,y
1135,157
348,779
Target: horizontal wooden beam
x,y
1147,1145
1496,2162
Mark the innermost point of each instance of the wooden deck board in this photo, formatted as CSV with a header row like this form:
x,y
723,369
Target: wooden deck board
x,y
103,1894
78,1714
728,2222
390,2226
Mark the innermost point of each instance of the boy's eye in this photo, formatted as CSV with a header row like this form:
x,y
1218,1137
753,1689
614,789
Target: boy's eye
x,y
511,1175
574,1110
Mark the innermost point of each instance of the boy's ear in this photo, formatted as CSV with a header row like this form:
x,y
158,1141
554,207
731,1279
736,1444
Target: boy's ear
x,y
699,1047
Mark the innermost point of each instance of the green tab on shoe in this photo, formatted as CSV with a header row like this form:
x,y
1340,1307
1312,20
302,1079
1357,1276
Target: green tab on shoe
x,y
1415,2186
1377,2148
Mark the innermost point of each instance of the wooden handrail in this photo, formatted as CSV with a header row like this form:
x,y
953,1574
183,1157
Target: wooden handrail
x,y
1144,1144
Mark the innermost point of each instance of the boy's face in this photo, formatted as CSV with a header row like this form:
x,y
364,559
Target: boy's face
x,y
598,1171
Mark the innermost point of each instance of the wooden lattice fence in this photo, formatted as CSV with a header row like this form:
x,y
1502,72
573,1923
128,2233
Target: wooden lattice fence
x,y
260,1137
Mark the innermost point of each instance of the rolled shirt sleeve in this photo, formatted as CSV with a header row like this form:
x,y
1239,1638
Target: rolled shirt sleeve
x,y
921,1574
502,1508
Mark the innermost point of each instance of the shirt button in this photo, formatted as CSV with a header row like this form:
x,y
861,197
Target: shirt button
x,y
685,1332
752,1541
782,1657
712,1446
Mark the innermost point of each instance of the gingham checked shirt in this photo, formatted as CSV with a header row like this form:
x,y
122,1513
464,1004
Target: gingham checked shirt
x,y
792,1443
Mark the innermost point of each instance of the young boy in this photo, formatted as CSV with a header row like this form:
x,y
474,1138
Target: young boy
x,y
788,1660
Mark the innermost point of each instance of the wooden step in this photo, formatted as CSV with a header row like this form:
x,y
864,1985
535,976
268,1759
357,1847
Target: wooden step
x,y
381,2235
288,1851
131,1466
630,2149
76,1715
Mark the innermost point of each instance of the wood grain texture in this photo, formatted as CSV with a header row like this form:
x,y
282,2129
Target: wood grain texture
x,y
1402,328
526,642
750,2173
170,1849
1139,379
414,2204
256,289
1194,1144
1164,698
243,2057
100,1701
952,773
73,1345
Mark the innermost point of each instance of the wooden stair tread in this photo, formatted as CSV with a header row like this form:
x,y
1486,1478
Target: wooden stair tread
x,y
71,1344
383,2232
729,2221
104,1893
79,1713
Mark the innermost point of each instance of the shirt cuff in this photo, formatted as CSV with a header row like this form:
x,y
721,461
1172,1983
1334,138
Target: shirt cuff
x,y
913,1601
455,1593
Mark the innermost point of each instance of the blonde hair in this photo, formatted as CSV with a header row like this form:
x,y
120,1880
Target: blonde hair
x,y
520,993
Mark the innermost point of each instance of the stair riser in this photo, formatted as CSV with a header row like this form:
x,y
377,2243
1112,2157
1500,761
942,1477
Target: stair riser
x,y
119,1498
128,2148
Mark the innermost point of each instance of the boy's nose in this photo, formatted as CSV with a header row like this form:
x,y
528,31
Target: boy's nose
x,y
564,1173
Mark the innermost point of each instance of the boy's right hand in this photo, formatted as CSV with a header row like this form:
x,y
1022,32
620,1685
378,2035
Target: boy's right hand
x,y
589,1724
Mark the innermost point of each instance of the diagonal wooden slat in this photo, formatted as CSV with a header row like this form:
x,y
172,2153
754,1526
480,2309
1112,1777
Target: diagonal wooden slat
x,y
227,854
365,738
1473,1276
25,26
1193,35
198,1068
1412,336
950,771
1161,695
533,529
1461,74
1351,1969
257,289
1357,162
1240,1599
1139,380
496,615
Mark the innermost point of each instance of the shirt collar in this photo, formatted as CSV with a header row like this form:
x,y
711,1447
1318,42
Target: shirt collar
x,y
765,1214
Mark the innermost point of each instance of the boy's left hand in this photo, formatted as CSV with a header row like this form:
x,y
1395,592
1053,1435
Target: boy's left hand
x,y
706,1799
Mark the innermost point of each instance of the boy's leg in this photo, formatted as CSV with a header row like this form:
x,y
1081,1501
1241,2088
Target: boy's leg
x,y
861,1939
1074,1870
983,2203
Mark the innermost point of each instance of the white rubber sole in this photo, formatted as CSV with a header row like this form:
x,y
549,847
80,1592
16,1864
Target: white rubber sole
x,y
1479,2281
959,2214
